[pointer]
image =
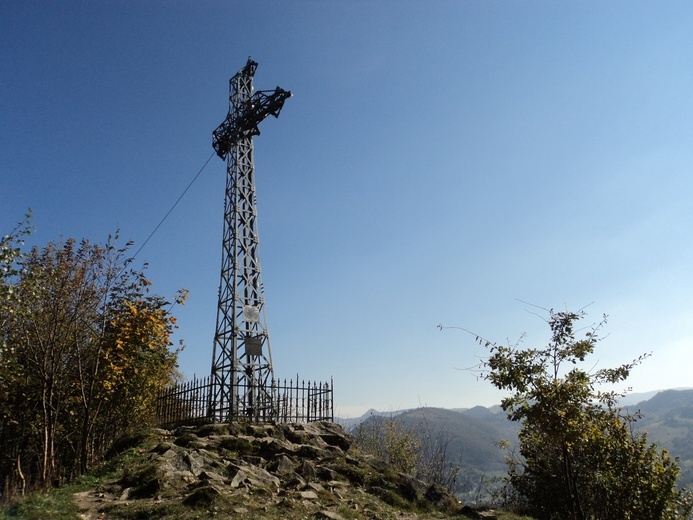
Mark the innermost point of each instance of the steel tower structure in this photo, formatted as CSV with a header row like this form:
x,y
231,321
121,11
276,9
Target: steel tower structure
x,y
242,375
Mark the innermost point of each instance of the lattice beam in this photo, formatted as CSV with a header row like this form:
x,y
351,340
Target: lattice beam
x,y
242,372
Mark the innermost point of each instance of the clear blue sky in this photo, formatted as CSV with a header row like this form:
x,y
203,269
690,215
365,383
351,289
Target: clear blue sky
x,y
439,161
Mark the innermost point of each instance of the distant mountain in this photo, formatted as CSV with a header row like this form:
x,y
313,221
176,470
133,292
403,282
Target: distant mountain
x,y
349,423
639,397
668,420
472,434
470,438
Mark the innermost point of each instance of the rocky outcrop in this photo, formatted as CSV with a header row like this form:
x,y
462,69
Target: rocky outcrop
x,y
265,471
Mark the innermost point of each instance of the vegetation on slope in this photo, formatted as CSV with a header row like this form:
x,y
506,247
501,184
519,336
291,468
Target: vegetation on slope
x,y
84,349
579,457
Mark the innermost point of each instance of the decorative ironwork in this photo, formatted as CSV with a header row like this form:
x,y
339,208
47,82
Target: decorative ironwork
x,y
242,372
296,401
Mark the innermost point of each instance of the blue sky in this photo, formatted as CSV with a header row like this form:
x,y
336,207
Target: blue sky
x,y
440,162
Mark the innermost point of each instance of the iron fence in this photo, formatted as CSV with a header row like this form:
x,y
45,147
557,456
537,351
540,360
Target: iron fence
x,y
294,401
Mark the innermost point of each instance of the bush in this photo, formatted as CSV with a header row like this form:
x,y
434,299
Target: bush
x,y
579,457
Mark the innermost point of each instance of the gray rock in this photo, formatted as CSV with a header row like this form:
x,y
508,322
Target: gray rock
x,y
307,470
328,515
209,475
252,476
195,462
284,466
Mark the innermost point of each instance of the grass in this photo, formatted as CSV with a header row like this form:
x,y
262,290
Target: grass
x,y
56,504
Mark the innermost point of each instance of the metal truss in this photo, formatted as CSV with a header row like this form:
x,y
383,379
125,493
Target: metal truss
x,y
242,373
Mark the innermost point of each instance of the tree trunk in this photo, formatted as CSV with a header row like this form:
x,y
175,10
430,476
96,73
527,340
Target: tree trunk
x,y
20,474
578,514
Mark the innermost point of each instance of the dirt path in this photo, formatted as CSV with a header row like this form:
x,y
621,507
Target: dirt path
x,y
89,503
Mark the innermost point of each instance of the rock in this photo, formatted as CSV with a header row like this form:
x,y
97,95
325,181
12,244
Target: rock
x,y
194,462
283,465
316,487
307,470
324,473
247,470
209,475
169,454
339,441
215,429
254,460
296,482
328,515
162,448
202,496
185,440
309,452
269,447
253,477
410,487
239,478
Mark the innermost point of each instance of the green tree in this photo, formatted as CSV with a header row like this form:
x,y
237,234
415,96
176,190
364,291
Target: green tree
x,y
580,458
11,256
85,349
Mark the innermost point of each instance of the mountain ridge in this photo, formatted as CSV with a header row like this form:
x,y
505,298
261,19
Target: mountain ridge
x,y
472,435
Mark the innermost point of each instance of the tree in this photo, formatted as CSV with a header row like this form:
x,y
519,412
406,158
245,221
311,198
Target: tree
x,y
10,269
85,349
417,451
580,458
389,440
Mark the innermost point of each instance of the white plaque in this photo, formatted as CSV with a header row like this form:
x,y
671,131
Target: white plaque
x,y
251,314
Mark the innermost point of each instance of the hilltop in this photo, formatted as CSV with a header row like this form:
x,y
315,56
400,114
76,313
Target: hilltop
x,y
251,471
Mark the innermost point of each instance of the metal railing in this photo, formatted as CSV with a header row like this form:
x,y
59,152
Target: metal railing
x,y
294,401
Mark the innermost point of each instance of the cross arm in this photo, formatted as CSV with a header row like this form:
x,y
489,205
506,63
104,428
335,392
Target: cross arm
x,y
244,123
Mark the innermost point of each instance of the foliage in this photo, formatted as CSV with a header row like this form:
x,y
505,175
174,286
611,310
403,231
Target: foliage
x,y
387,439
417,451
85,347
580,458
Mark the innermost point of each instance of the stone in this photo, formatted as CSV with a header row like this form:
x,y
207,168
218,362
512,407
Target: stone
x,y
327,473
202,496
271,446
284,466
328,515
296,482
239,478
210,475
339,441
316,487
254,477
254,460
313,468
169,454
195,463
307,470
